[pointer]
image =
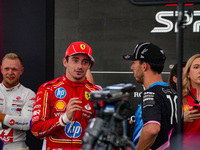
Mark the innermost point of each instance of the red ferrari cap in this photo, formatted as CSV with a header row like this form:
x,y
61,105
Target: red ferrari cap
x,y
79,48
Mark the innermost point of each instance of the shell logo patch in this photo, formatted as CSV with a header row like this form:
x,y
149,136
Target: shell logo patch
x,y
87,95
60,105
185,108
82,46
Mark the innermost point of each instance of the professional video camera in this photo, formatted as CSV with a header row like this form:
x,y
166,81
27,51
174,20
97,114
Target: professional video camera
x,y
106,131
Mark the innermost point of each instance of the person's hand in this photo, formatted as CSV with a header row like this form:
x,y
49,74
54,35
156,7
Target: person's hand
x,y
191,114
72,107
131,120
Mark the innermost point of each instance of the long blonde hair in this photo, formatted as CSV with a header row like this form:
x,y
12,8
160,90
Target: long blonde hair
x,y
186,81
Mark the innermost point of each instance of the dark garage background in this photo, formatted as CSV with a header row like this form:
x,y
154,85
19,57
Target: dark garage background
x,y
41,30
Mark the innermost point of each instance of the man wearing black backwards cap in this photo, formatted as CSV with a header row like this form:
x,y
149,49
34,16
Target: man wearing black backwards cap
x,y
159,108
62,108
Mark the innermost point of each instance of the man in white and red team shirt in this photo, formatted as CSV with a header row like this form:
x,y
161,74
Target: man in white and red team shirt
x,y
62,108
16,104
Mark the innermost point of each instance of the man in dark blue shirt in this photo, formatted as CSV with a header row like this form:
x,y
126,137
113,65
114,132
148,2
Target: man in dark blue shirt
x,y
159,107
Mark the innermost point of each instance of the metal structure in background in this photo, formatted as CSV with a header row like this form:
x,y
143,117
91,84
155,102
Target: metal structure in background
x,y
180,26
161,2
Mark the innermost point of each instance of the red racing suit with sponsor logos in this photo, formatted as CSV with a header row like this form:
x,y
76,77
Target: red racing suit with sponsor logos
x,y
51,101
17,103
191,130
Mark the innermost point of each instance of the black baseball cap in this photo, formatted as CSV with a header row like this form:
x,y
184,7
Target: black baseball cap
x,y
147,52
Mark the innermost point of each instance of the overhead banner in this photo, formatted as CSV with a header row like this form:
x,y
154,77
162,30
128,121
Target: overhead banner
x,y
159,2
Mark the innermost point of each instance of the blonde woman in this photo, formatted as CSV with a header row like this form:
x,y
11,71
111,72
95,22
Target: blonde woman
x,y
191,103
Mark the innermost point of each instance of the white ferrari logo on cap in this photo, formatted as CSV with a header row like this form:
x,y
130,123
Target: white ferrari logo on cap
x,y
82,46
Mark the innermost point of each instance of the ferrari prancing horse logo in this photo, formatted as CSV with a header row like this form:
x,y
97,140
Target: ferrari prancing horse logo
x,y
87,95
82,46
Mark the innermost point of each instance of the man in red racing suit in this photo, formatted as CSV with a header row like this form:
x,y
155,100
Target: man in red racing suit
x,y
62,108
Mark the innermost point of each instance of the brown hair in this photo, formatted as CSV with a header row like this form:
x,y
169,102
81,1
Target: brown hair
x,y
173,73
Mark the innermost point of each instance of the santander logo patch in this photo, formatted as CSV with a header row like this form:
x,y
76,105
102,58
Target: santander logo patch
x,y
12,122
18,97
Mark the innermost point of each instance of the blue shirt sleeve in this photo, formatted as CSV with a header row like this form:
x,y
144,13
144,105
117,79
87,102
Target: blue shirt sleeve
x,y
138,125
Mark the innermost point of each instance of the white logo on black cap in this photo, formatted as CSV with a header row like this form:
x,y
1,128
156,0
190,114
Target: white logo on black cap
x,y
141,56
162,51
144,50
127,56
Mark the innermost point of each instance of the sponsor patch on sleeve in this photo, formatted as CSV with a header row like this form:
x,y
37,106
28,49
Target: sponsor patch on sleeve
x,y
148,99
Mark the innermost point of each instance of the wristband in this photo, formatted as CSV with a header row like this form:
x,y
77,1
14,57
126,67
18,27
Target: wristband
x,y
64,120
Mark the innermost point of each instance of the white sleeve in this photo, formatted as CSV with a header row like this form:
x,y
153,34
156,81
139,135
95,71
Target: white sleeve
x,y
44,144
63,120
22,122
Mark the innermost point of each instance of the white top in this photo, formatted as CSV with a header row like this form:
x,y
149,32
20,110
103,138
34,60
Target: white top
x,y
17,103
